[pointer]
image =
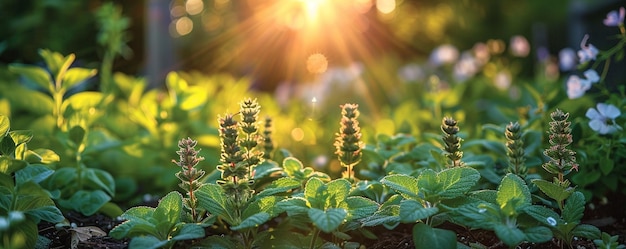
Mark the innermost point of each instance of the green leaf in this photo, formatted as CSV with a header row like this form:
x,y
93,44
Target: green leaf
x,y
7,146
606,165
48,213
216,242
360,207
212,198
77,134
86,202
280,185
147,242
427,237
252,221
327,220
311,189
189,231
37,103
35,74
265,169
46,156
412,211
513,187
403,184
457,181
35,173
169,211
8,165
293,206
83,100
100,179
337,191
291,165
574,208
56,62
5,125
552,190
538,234
586,231
77,75
21,136
511,236
428,184
27,230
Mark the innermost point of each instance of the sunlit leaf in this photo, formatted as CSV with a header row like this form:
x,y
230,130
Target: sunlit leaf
x,y
457,181
169,210
404,184
280,185
35,74
513,187
5,125
291,165
427,237
327,220
77,75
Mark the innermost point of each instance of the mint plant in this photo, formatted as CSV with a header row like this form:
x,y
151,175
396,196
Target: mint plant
x,y
189,175
569,202
159,227
515,149
23,201
504,211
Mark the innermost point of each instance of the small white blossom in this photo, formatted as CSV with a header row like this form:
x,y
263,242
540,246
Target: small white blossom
x,y
444,54
587,52
576,87
602,119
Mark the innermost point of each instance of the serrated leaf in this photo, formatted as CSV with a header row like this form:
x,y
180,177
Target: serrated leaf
x,y
544,215
574,208
291,165
252,221
169,209
265,169
538,234
360,207
311,188
327,220
293,206
337,191
457,181
513,187
511,236
427,237
280,185
212,198
264,205
412,211
403,184
586,231
552,190
77,75
428,184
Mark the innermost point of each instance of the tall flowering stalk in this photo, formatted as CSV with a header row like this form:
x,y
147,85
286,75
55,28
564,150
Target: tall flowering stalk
x,y
268,145
562,160
234,177
249,115
452,143
348,141
515,149
189,174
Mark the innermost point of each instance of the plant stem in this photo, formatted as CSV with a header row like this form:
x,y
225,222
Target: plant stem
x,y
316,233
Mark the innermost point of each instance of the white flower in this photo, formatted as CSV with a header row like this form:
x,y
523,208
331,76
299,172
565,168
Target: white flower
x,y
444,54
576,87
466,67
411,73
519,46
603,119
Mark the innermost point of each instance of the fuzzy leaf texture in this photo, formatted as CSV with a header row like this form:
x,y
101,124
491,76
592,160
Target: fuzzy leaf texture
x,y
403,184
426,237
412,211
327,220
457,181
212,198
574,208
513,187
553,190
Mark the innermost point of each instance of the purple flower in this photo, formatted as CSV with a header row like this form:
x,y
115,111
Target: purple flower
x,y
576,87
614,19
444,54
587,52
603,119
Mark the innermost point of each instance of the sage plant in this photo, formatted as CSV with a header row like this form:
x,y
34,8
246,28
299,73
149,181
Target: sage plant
x,y
189,174
515,149
268,145
452,143
348,141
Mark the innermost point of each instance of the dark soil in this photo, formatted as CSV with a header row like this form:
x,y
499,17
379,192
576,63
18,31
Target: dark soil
x,y
609,215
